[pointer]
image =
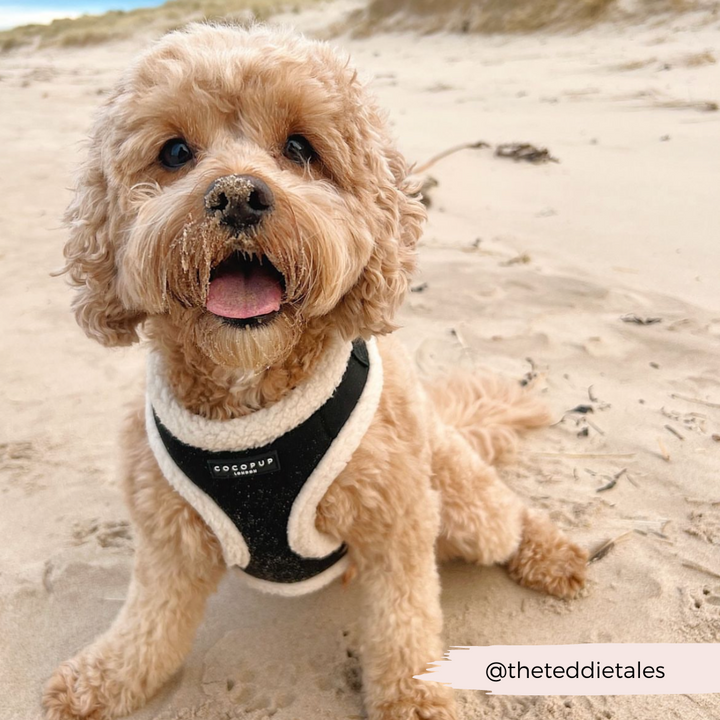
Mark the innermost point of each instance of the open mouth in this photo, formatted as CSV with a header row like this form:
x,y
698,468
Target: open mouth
x,y
245,291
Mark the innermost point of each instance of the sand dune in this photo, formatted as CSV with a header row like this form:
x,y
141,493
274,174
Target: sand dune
x,y
511,16
534,271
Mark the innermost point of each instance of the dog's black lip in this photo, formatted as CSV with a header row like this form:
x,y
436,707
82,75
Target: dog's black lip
x,y
253,322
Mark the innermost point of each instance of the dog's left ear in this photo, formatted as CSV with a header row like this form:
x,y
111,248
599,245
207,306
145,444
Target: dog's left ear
x,y
90,255
371,305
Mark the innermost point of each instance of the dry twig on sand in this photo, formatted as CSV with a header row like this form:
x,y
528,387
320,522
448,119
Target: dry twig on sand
x,y
698,401
671,429
596,428
513,151
531,375
441,155
428,183
632,318
522,259
700,568
613,481
526,152
605,547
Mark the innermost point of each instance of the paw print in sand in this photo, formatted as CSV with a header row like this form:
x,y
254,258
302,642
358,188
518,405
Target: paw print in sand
x,y
107,534
258,690
709,598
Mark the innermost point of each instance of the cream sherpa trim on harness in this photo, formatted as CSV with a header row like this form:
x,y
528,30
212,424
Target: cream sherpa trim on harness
x,y
303,536
235,551
257,429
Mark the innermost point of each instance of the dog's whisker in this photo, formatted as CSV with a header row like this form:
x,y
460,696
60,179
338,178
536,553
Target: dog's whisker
x,y
143,191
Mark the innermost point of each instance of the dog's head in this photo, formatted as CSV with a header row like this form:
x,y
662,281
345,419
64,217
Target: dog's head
x,y
241,186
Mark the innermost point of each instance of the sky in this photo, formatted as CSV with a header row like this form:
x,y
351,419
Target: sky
x,y
15,12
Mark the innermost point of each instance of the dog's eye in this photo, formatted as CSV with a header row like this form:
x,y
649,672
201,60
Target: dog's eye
x,y
175,153
299,150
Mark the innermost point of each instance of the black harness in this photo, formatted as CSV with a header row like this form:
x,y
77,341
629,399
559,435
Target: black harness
x,y
256,488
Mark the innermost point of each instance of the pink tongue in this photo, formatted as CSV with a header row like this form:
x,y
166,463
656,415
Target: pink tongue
x,y
241,295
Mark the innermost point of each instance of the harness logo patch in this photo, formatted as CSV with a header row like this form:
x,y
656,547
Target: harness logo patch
x,y
257,465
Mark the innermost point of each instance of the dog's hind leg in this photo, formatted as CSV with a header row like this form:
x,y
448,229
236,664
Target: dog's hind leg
x,y
178,564
483,521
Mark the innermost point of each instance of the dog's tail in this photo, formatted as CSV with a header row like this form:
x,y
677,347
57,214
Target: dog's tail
x,y
487,410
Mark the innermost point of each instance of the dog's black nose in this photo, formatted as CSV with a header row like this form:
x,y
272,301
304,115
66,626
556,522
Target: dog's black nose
x,y
239,201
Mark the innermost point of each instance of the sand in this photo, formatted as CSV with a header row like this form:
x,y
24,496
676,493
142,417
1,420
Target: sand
x,y
528,269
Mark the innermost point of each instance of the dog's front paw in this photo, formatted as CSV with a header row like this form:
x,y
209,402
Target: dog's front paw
x,y
421,701
82,688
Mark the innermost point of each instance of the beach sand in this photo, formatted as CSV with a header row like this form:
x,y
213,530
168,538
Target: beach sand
x,y
524,269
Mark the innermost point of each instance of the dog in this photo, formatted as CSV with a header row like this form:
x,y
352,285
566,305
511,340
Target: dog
x,y
243,205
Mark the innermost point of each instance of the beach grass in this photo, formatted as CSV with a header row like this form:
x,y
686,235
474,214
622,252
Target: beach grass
x,y
505,16
118,24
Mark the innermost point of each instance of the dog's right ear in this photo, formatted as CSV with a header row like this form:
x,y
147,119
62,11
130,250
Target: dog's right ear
x,y
90,260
